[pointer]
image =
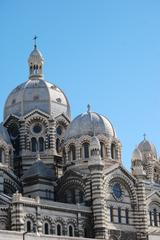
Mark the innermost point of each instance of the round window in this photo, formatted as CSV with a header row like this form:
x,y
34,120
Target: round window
x,y
37,128
117,190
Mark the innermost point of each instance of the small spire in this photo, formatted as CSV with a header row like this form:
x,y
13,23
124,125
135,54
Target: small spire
x,y
35,41
88,108
144,135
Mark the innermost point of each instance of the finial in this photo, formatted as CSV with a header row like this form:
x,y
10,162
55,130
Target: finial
x,y
144,135
88,108
35,41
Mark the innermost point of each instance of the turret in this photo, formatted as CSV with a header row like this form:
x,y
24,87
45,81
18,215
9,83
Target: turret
x,y
137,166
35,63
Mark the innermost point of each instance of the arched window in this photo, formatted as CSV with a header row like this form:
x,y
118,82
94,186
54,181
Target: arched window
x,y
81,197
102,149
150,217
155,217
46,228
71,231
58,145
111,214
113,151
34,144
59,229
127,215
86,150
80,152
119,215
72,153
2,155
68,196
28,226
41,144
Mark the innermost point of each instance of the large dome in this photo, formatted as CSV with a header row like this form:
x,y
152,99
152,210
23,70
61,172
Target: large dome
x,y
89,123
36,93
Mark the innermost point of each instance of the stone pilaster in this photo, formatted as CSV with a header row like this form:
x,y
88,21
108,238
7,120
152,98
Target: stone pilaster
x,y
52,135
141,213
22,136
98,203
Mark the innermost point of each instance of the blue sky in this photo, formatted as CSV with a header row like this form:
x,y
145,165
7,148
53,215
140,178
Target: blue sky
x,y
106,53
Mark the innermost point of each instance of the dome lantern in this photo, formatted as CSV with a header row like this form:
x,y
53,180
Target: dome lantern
x,y
35,63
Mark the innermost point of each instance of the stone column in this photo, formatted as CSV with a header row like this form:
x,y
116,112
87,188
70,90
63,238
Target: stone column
x,y
22,136
52,135
141,214
98,203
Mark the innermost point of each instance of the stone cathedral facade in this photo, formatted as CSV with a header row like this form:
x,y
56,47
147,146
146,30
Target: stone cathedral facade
x,y
64,177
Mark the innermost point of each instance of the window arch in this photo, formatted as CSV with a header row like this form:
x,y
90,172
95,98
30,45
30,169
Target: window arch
x,y
111,214
46,228
58,145
102,149
113,151
119,215
71,230
127,215
41,144
72,152
74,195
28,226
34,144
59,229
150,217
155,217
86,150
154,214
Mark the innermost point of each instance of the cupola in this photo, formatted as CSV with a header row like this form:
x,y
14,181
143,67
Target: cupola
x,y
35,63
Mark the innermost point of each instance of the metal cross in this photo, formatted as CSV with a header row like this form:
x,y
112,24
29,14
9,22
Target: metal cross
x,y
144,135
88,108
35,41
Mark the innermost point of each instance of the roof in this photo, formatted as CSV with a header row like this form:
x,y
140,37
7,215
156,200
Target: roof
x,y
38,169
37,94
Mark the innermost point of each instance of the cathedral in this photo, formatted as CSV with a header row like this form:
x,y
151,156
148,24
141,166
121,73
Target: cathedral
x,y
63,178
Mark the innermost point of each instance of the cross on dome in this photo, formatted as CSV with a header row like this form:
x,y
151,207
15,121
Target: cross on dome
x,y
35,41
88,108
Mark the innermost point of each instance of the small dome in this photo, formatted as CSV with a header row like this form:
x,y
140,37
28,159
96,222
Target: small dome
x,y
136,155
89,123
146,147
35,57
